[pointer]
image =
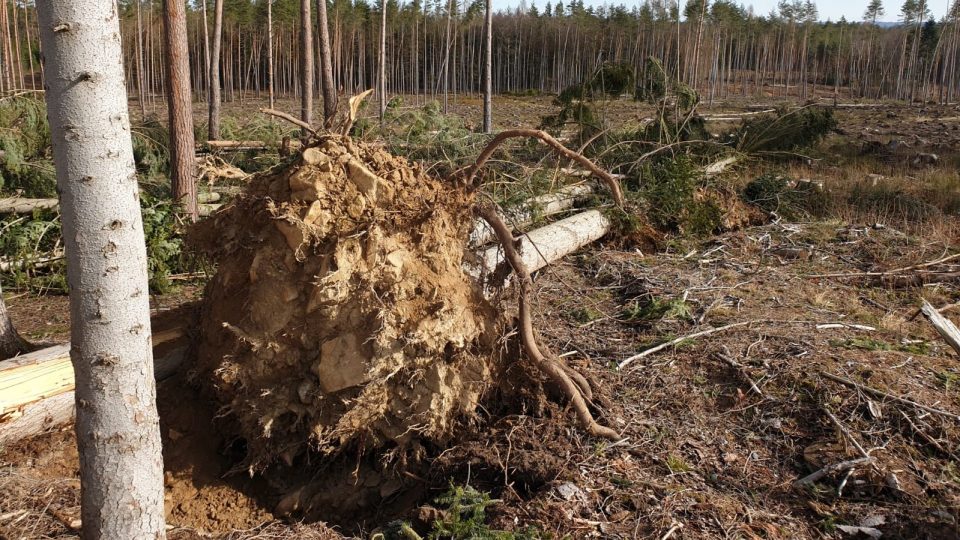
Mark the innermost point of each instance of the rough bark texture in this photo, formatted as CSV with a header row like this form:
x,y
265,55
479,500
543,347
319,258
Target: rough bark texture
x,y
183,165
326,66
11,344
118,435
213,117
306,63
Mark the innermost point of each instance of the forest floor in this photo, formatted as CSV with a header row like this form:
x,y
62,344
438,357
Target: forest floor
x,y
716,430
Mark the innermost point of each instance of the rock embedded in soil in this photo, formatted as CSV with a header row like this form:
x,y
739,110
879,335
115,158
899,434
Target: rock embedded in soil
x,y
340,314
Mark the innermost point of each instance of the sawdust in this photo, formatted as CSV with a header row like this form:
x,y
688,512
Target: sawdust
x,y
340,313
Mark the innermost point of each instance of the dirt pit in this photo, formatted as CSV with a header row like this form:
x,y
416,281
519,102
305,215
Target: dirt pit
x,y
340,316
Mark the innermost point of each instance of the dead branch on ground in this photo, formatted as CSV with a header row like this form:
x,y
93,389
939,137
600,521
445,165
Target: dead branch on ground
x,y
886,395
549,364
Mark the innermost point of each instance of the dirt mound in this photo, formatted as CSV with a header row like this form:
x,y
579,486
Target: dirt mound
x,y
340,312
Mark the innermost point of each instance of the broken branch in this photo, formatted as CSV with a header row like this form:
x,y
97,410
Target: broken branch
x,y
470,172
295,121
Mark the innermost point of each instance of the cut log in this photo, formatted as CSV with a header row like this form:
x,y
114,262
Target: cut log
x,y
37,389
548,244
540,206
944,326
21,205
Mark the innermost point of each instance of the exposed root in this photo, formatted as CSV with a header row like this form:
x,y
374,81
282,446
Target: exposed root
x,y
470,172
550,365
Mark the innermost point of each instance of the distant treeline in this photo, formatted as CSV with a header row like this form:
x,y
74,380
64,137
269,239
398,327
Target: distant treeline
x,y
717,47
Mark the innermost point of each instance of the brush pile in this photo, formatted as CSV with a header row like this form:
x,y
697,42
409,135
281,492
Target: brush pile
x,y
340,313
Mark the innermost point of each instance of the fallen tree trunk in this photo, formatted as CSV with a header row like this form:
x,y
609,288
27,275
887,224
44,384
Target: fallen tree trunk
x,y
550,243
37,389
540,206
732,117
21,205
944,326
236,145
42,261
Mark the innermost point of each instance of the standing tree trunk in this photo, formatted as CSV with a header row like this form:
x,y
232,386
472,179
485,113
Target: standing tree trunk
x,y
183,165
382,90
326,66
11,344
488,69
213,116
306,64
141,92
117,428
270,51
206,49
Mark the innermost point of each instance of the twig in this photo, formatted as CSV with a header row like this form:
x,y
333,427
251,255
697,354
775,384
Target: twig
x,y
885,395
743,371
925,436
895,271
846,433
673,342
836,467
470,172
551,366
295,121
676,527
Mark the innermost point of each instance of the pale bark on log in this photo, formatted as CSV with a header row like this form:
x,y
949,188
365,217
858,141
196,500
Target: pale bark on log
x,y
944,326
550,243
21,205
540,206
58,409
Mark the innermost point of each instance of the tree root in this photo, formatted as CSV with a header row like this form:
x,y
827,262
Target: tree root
x,y
470,172
573,385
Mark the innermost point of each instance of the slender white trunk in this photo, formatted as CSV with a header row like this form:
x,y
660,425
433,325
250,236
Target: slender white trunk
x,y
118,435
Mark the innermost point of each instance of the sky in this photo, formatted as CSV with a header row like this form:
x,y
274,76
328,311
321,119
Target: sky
x,y
829,9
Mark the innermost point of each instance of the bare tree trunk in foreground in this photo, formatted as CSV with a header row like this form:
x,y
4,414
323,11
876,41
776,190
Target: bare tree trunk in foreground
x,y
118,434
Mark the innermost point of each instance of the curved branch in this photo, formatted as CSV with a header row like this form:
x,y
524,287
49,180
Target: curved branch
x,y
295,121
604,176
551,366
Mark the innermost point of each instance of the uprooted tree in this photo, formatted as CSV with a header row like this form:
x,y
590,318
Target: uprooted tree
x,y
347,313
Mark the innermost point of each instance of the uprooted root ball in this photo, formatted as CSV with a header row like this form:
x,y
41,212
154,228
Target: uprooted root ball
x,y
340,312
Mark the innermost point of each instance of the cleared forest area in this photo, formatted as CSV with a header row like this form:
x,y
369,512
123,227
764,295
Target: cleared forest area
x,y
677,271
